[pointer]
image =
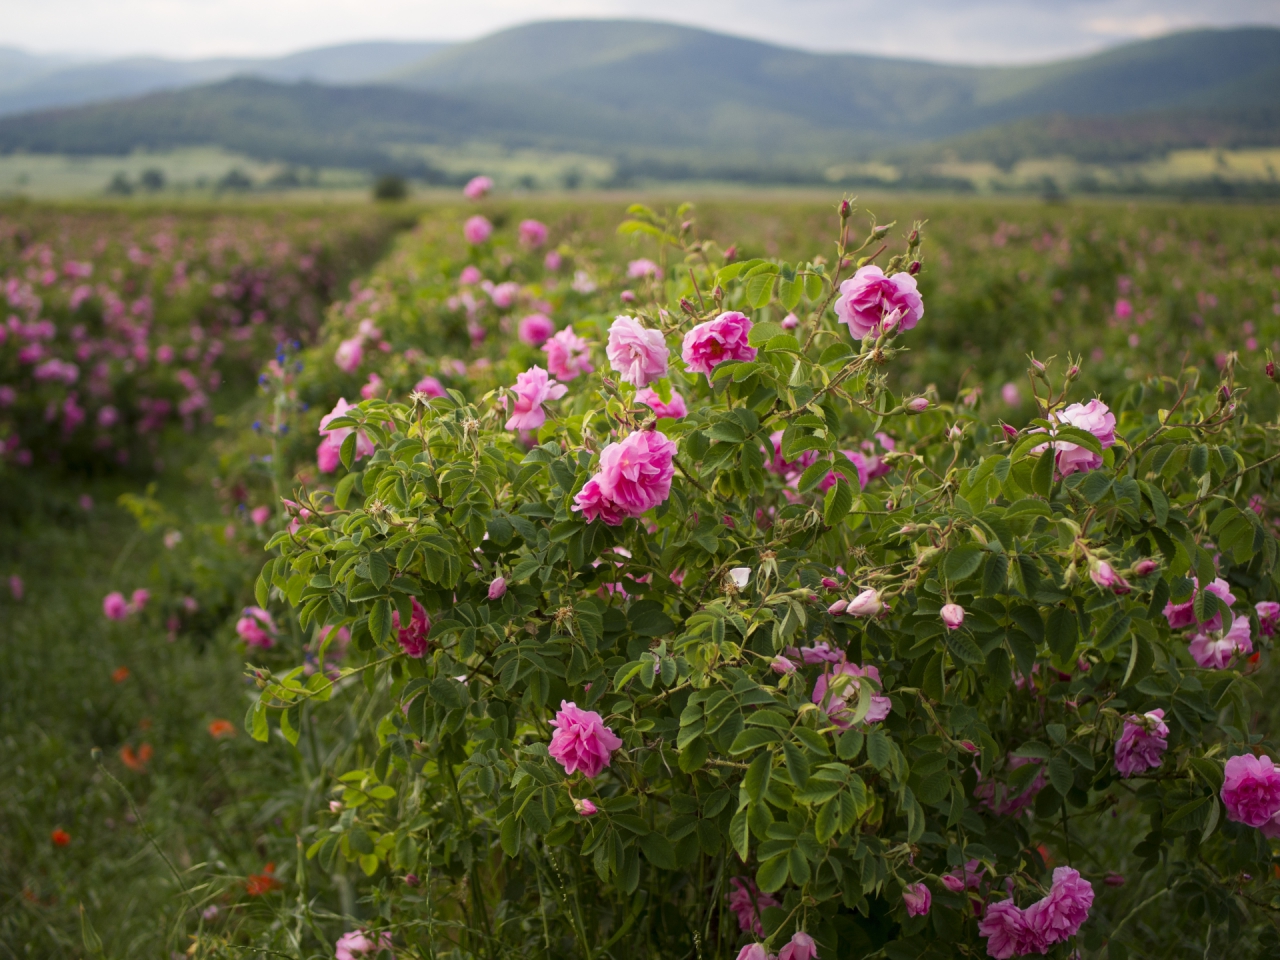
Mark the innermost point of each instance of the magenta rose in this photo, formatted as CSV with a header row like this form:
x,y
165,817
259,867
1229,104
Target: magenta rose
x,y
871,303
329,453
1251,790
532,233
567,355
536,329
477,230
674,410
533,388
1182,615
635,476
1058,916
1005,927
412,636
1142,743
1213,651
477,188
115,606
349,354
712,343
836,706
639,355
746,901
581,741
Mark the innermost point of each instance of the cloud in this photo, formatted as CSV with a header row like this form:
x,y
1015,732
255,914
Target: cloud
x,y
1148,25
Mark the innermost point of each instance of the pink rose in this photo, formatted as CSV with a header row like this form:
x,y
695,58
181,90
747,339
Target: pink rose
x,y
818,653
328,454
16,587
1011,395
114,606
746,901
581,741
533,388
999,799
430,386
532,233
477,230
476,189
639,355
673,410
357,944
470,275
535,329
871,303
755,951
349,354
1058,916
952,615
552,261
712,343
413,635
801,947
788,468
256,628
644,268
918,900
967,877
260,515
1142,743
635,476
1182,615
837,706
781,665
865,604
567,355
1105,576
1093,417
504,294
1268,616
1251,790
585,808
1005,928
1213,651
497,588
372,388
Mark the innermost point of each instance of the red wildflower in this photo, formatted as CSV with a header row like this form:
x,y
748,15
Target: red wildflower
x,y
120,674
60,837
136,760
264,882
221,729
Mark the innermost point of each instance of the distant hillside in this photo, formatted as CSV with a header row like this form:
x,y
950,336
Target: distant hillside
x,y
30,83
664,101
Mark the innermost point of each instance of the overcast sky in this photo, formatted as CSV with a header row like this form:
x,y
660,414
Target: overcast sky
x,y
975,31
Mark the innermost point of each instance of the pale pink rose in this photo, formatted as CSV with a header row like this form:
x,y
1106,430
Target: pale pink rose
x,y
755,951
1011,395
358,945
552,261
349,354
1251,790
470,275
637,354
787,469
256,628
1105,576
477,230
533,388
1182,615
836,706
673,410
535,329
581,741
567,355
918,900
781,665
430,386
866,604
818,653
1005,927
1058,916
800,947
790,322
114,606
585,808
871,303
1093,417
1142,743
967,877
412,637
746,901
532,233
372,388
497,588
634,476
328,454
1268,616
260,515
839,607
477,188
504,294
644,268
952,615
1213,651
709,344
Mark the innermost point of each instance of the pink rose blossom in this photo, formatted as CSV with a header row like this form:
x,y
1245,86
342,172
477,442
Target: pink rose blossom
x,y
535,329
999,799
552,260
1144,568
755,951
673,410
260,515
1105,576
952,615
818,653
787,469
644,268
967,877
114,606
635,476
470,275
372,388
746,901
581,741
837,706
1058,916
16,587
709,344
412,636
1124,309
430,386
567,355
1011,395
585,808
477,230
1251,790
781,665
1182,615
1212,651
639,355
256,628
1005,928
1094,417
865,604
476,189
138,600
532,233
497,588
504,295
349,354
1142,743
1268,616
801,947
357,945
533,388
790,322
839,607
918,900
328,454
871,303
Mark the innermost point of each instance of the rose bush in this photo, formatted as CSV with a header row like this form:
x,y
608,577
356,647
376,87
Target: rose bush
x,y
714,683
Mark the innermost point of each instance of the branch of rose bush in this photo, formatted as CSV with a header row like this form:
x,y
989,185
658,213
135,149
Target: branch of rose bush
x,y
1226,480
302,694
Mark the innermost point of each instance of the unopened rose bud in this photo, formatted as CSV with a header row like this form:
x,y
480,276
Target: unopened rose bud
x,y
913,238
585,808
917,405
790,322
865,604
1145,568
782,665
411,880
335,806
1073,371
952,615
846,209
968,746
686,306
1113,880
718,293
838,607
1271,369
628,296
830,584
497,588
914,267
731,253
956,432
687,225
880,232
1037,365
1010,432
1224,392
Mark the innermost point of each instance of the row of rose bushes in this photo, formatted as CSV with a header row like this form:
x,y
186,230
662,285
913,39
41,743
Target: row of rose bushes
x,y
116,326
743,571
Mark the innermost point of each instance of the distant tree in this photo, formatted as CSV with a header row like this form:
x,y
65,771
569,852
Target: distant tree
x,y
527,182
120,186
390,186
234,179
572,179
286,178
152,179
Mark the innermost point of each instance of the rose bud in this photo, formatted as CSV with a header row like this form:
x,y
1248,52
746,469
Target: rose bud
x,y
830,584
585,808
686,306
865,604
838,607
952,615
1010,432
914,267
497,588
845,209
917,405
1145,567
781,664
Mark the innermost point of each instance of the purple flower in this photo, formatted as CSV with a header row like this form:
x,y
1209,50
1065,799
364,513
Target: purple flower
x,y
1251,790
1059,915
1182,615
535,329
1213,650
1142,743
1268,616
918,900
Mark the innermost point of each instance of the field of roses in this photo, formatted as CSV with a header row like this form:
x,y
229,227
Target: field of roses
x,y
749,579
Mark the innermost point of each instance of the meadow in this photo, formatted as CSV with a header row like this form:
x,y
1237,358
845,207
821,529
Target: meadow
x,y
153,811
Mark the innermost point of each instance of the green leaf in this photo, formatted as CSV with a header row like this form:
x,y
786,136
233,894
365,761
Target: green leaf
x,y
849,745
789,292
756,781
837,503
348,450
772,874
729,431
379,572
752,739
760,290
1042,475
658,851
964,649
286,725
739,835
762,333
828,820
797,763
878,751
694,754
1060,775
380,621
1061,634
648,619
